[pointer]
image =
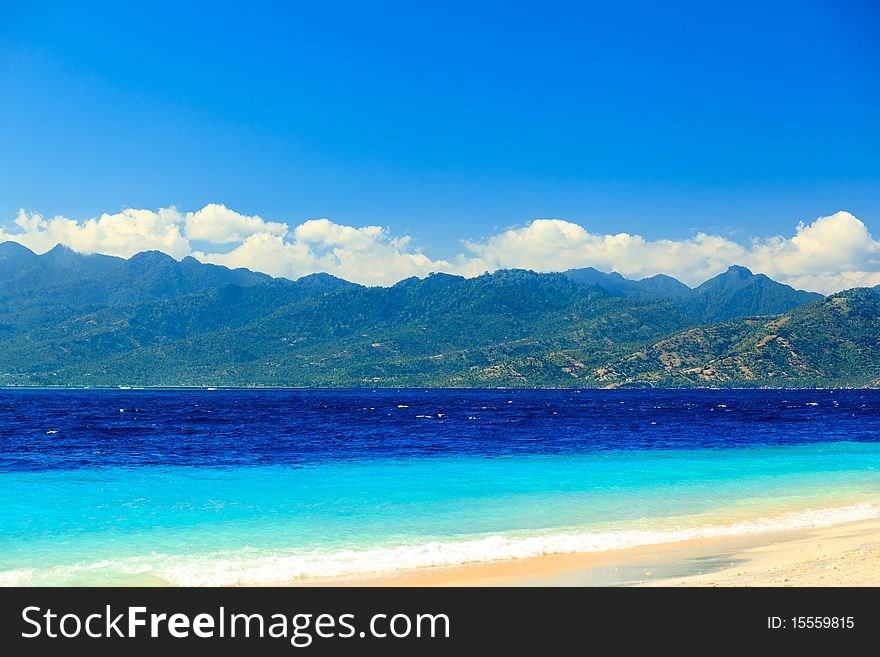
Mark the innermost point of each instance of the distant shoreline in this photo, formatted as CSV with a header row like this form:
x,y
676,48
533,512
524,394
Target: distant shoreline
x,y
136,388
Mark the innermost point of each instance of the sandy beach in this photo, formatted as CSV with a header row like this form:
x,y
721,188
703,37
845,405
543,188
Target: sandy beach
x,y
839,555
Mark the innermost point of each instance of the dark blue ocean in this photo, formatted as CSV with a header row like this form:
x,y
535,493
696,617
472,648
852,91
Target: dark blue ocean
x,y
260,486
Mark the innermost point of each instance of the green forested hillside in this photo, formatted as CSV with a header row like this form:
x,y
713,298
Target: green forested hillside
x,y
442,330
835,341
69,319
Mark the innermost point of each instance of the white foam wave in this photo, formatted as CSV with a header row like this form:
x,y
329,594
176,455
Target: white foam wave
x,y
254,566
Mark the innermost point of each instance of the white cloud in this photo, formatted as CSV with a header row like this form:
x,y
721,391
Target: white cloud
x,y
834,248
124,233
366,255
555,245
828,283
829,254
267,253
218,224
325,233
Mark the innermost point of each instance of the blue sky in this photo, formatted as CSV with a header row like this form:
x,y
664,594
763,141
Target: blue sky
x,y
447,121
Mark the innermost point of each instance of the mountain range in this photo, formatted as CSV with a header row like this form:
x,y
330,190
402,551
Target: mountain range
x,y
150,320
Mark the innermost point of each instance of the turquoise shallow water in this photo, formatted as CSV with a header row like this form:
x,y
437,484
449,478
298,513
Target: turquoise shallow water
x,y
274,523
188,488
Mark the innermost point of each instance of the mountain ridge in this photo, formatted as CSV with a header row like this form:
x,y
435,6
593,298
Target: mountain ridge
x,y
73,319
